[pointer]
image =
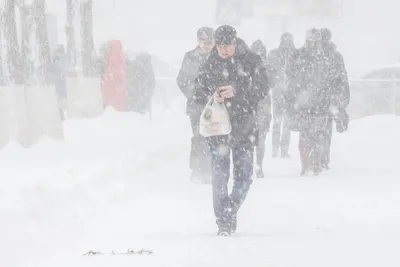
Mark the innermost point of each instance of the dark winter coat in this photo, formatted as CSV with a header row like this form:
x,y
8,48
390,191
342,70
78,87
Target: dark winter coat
x,y
340,96
311,80
246,73
279,59
341,88
186,78
140,83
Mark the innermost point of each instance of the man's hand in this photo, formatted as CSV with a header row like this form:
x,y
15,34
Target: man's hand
x,y
226,91
218,98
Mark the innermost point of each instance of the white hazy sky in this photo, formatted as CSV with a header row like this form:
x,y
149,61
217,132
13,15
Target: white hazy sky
x,y
367,35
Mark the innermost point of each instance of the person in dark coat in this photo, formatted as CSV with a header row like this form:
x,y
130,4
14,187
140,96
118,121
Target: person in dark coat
x,y
200,158
235,76
279,59
340,95
310,76
59,73
263,112
141,83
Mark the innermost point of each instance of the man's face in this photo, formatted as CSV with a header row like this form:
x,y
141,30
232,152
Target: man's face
x,y
206,46
226,51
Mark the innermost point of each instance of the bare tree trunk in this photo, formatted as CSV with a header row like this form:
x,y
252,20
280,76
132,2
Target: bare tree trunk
x,y
2,78
88,50
41,33
25,43
70,32
13,54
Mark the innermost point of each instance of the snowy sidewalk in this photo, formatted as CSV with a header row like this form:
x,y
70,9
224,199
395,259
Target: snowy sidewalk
x,y
121,182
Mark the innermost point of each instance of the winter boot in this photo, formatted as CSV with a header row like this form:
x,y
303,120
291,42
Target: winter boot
x,y
196,177
224,228
275,152
259,172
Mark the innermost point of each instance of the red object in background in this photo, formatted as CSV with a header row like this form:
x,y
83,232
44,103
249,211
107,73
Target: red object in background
x,y
113,85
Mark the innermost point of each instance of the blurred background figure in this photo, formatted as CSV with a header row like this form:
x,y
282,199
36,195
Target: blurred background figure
x,y
58,74
263,112
141,83
113,83
200,159
279,58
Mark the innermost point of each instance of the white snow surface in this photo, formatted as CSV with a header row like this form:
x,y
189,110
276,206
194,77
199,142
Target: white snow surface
x,y
121,182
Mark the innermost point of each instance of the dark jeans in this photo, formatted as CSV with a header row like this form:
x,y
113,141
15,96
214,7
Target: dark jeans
x,y
227,205
280,131
264,121
200,156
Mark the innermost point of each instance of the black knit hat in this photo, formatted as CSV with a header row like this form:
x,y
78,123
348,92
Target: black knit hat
x,y
326,34
205,34
225,35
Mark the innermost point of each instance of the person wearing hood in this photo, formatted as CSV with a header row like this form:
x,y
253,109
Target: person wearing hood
x,y
113,83
310,78
200,159
279,59
263,112
235,76
340,97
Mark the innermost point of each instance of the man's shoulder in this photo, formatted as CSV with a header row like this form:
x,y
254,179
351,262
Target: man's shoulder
x,y
194,53
254,60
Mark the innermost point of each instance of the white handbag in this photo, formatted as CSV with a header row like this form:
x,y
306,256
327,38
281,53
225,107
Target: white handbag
x,y
214,119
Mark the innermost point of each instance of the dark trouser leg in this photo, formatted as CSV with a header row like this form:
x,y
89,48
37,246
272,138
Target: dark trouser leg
x,y
200,159
326,158
264,121
276,131
317,146
242,157
304,148
220,158
286,135
260,149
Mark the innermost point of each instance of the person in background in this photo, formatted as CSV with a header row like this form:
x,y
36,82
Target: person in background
x,y
279,58
200,159
141,83
113,83
235,76
310,78
340,97
59,72
263,112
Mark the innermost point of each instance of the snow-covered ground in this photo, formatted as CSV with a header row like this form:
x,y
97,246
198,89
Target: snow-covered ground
x,y
121,181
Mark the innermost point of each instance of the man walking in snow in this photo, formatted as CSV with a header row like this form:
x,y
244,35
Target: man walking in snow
x,y
279,59
200,160
235,76
340,97
311,76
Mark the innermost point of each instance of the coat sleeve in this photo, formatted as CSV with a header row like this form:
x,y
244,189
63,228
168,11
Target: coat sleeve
x,y
184,80
202,87
259,87
260,81
342,83
292,72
